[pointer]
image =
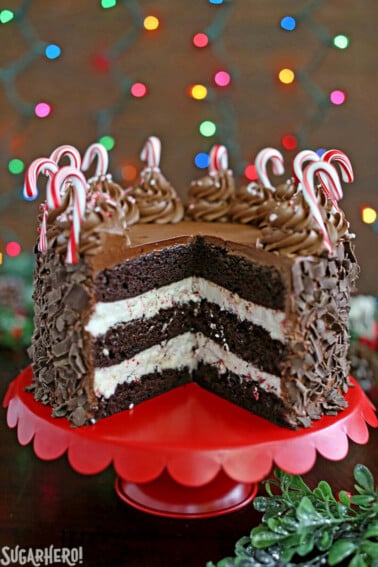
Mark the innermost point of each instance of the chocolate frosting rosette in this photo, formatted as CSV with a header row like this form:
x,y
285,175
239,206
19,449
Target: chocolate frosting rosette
x,y
211,197
252,204
155,198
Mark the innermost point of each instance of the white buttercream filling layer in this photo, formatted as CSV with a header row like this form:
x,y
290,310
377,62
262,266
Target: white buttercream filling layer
x,y
195,289
184,351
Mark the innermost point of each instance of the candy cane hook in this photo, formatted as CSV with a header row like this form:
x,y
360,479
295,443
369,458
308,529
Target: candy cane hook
x,y
151,152
300,159
70,151
218,158
261,161
79,183
96,151
309,194
347,174
38,166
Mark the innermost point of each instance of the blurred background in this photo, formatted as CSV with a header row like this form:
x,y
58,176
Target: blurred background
x,y
291,74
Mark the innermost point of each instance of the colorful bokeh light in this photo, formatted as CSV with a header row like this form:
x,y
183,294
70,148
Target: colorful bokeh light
x,y
200,40
129,172
52,51
286,76
222,78
139,90
250,172
288,23
368,215
289,142
16,166
341,41
201,160
151,23
198,92
42,109
13,249
108,142
337,97
108,4
207,128
6,16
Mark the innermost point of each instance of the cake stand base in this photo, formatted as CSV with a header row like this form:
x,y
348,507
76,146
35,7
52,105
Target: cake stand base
x,y
165,497
186,453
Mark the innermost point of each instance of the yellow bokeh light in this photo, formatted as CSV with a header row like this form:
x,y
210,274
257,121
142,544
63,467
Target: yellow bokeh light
x,y
199,92
151,23
286,76
369,215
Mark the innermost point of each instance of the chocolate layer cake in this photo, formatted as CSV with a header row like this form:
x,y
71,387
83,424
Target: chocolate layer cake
x,y
148,306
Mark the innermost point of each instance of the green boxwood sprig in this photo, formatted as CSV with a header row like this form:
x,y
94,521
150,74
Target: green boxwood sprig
x,y
308,528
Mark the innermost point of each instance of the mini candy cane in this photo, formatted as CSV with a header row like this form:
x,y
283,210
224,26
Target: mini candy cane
x,y
309,192
42,241
69,151
300,159
93,151
347,174
218,158
77,179
151,152
38,166
262,159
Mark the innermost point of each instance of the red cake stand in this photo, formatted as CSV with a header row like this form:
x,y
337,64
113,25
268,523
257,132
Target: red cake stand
x,y
186,453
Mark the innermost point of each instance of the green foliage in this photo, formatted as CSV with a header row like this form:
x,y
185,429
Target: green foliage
x,y
308,527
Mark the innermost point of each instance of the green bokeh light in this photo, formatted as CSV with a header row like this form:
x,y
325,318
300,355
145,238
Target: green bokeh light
x,y
108,3
341,41
207,128
16,166
108,142
6,16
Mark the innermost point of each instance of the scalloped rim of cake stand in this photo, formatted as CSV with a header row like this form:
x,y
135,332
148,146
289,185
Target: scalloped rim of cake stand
x,y
190,436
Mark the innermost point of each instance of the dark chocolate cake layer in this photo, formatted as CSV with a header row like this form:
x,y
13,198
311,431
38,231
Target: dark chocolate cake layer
x,y
247,340
198,258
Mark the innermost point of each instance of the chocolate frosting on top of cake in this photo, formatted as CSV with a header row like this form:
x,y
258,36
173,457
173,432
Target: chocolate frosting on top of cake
x,y
156,199
252,204
211,196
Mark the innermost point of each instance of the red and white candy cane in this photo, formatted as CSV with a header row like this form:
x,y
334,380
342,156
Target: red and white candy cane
x,y
70,151
38,166
96,151
346,169
263,157
300,159
151,152
218,158
79,183
308,186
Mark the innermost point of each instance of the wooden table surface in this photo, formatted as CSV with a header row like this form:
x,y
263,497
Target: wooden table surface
x,y
47,503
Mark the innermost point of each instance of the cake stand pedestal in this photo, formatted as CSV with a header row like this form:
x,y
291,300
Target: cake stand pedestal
x,y
186,453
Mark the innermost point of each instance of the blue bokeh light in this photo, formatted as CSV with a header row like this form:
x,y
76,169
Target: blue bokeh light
x,y
53,51
201,160
288,23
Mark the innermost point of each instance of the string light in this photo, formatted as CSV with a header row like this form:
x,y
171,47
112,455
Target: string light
x,y
286,76
320,151
139,90
108,142
216,1
42,109
129,172
200,40
16,166
151,23
368,215
198,92
6,16
108,4
222,78
207,128
201,160
289,142
337,97
288,23
13,249
341,41
53,51
250,172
